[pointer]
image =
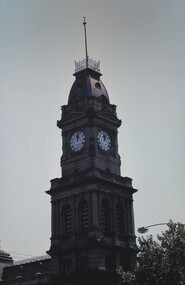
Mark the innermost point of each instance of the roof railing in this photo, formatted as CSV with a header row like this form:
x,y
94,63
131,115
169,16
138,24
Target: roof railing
x,y
87,63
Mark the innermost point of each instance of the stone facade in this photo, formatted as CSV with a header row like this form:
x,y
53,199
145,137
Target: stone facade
x,y
92,204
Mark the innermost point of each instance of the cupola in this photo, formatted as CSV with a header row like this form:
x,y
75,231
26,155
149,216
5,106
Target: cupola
x,y
87,82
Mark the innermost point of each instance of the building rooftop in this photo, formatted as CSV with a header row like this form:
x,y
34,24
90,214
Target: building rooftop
x,y
5,257
30,260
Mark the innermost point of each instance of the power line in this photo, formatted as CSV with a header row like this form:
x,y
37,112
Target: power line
x,y
21,254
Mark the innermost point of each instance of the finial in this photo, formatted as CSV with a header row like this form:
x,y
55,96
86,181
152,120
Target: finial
x,y
86,54
86,62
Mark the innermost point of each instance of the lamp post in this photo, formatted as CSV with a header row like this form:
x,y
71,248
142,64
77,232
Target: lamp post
x,y
143,230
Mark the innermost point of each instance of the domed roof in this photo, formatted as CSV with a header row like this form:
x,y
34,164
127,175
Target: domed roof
x,y
87,84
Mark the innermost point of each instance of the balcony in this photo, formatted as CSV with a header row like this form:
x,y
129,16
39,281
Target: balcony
x,y
87,63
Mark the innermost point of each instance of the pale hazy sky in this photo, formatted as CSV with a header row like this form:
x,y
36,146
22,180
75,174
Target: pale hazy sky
x,y
141,47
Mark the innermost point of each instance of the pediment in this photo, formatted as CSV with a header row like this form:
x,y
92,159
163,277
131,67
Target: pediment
x,y
75,115
72,117
109,117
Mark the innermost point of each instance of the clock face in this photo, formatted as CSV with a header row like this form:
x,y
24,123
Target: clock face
x,y
77,141
104,140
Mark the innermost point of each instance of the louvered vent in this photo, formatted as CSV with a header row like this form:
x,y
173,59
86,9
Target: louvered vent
x,y
120,225
105,216
83,216
67,219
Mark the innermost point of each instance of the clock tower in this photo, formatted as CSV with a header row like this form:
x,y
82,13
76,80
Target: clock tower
x,y
92,204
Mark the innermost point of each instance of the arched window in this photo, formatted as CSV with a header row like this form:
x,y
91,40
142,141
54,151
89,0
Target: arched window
x,y
120,218
105,216
76,102
83,215
103,102
66,219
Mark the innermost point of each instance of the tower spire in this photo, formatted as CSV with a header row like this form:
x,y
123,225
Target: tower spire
x,y
86,54
86,62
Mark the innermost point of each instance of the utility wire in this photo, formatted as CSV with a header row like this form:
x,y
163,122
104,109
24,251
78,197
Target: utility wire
x,y
22,254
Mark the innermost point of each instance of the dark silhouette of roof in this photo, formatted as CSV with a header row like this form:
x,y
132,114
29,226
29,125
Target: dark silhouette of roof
x,y
87,84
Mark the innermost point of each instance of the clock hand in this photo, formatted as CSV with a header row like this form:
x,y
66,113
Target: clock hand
x,y
77,136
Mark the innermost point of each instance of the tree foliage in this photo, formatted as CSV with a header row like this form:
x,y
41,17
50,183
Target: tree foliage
x,y
160,261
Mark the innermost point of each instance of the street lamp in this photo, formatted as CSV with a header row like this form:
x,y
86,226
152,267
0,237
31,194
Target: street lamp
x,y
143,230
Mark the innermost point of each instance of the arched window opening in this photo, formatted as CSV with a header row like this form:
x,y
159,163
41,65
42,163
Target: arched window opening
x,y
83,216
103,102
66,219
76,102
120,218
105,216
